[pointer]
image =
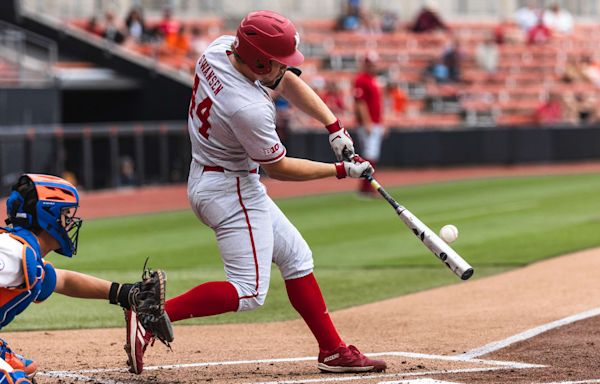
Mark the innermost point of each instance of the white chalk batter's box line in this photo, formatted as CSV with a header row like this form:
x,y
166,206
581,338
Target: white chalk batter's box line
x,y
491,365
470,357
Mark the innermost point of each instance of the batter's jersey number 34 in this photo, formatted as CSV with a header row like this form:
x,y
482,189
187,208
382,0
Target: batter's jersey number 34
x,y
202,110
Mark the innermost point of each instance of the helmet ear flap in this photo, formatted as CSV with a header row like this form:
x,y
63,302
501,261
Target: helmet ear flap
x,y
21,204
17,215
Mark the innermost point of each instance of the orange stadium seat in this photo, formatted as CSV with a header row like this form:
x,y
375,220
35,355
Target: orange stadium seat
x,y
525,73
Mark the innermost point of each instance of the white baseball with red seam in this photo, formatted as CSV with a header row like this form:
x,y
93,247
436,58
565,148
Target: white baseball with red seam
x,y
449,233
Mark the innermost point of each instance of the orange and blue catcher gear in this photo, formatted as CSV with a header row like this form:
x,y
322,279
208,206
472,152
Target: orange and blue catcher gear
x,y
48,203
39,278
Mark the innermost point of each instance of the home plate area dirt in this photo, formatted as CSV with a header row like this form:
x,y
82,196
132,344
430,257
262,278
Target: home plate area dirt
x,y
537,324
568,354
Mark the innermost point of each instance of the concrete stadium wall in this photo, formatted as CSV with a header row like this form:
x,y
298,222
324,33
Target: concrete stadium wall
x,y
20,106
501,145
160,152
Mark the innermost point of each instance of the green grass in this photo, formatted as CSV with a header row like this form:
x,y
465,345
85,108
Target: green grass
x,y
363,252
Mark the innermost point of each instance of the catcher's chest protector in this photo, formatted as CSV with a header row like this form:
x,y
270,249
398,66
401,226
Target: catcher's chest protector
x,y
40,277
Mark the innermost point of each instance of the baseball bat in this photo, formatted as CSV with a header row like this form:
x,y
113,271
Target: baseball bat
x,y
437,246
432,241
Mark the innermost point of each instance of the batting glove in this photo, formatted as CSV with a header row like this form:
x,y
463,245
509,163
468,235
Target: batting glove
x,y
340,140
357,167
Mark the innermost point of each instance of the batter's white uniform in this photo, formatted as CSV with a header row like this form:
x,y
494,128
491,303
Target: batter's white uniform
x,y
232,127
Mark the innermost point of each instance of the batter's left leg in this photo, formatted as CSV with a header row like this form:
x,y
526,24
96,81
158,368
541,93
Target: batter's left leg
x,y
294,258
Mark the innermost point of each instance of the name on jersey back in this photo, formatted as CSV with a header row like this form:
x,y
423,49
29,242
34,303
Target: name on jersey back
x,y
213,81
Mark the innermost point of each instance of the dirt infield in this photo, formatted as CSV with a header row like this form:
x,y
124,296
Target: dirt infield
x,y
538,324
429,334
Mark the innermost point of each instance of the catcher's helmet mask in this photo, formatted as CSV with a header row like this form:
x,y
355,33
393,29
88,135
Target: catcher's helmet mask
x,y
265,36
48,203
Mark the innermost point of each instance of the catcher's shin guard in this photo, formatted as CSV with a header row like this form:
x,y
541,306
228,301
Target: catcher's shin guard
x,y
15,360
14,377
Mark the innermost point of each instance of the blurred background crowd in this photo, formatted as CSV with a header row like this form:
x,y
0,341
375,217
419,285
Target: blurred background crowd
x,y
126,68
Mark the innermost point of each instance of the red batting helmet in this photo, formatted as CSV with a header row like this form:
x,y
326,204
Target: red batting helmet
x,y
264,36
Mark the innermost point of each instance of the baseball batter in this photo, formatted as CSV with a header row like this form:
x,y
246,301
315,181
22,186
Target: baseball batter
x,y
232,129
41,211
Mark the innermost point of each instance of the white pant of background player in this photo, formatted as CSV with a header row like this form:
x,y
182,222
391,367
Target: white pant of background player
x,y
251,231
371,142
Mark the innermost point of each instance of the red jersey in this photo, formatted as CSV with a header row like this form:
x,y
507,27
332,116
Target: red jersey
x,y
367,89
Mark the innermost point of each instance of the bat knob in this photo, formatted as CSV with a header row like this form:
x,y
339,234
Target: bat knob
x,y
467,274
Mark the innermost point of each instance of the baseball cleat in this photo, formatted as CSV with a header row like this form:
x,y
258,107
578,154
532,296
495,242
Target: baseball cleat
x,y
348,359
17,361
136,342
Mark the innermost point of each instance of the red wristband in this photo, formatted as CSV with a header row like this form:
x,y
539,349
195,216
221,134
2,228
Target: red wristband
x,y
335,126
340,170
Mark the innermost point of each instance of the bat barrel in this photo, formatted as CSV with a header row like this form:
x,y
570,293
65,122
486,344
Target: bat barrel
x,y
432,241
437,246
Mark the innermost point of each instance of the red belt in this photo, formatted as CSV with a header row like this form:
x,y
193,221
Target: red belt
x,y
210,168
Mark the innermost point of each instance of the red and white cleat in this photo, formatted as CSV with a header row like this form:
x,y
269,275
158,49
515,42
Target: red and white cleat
x,y
136,342
348,359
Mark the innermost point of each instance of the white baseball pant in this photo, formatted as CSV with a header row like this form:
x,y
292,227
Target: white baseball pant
x,y
251,231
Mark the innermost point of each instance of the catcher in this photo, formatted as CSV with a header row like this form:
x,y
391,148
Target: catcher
x,y
41,213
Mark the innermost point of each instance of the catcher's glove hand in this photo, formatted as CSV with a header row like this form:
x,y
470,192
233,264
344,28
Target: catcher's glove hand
x,y
147,298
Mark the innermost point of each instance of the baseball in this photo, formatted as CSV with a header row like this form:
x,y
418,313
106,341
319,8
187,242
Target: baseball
x,y
449,233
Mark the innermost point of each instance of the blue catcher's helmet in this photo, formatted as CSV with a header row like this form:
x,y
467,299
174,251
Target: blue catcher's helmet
x,y
48,203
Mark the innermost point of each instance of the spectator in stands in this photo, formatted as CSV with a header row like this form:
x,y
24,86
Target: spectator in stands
x,y
527,16
572,72
136,27
428,19
398,100
368,104
587,107
452,59
167,25
571,109
437,71
353,6
333,96
590,70
350,19
559,20
178,43
389,21
112,31
552,111
539,34
487,55
127,176
506,32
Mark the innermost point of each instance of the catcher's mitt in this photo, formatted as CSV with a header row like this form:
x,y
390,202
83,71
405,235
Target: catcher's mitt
x,y
147,298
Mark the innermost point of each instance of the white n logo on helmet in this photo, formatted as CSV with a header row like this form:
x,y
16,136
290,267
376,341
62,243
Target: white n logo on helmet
x,y
297,39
